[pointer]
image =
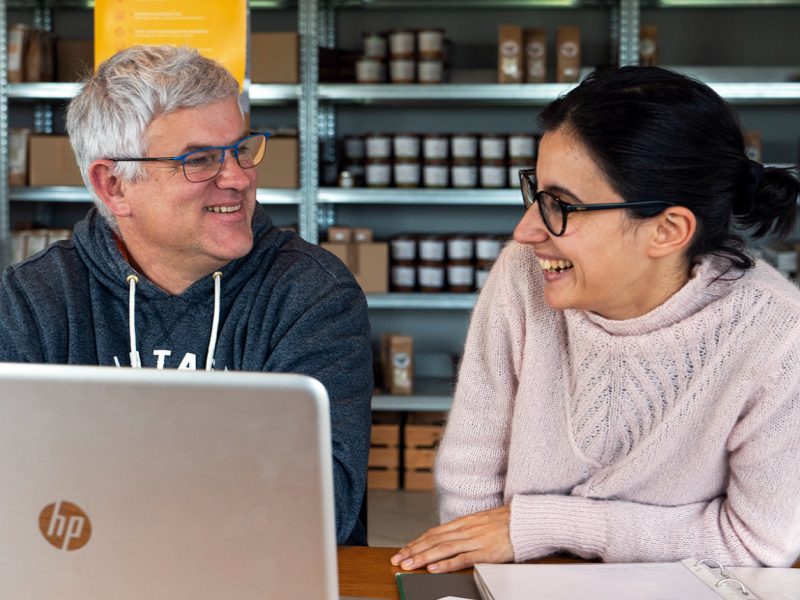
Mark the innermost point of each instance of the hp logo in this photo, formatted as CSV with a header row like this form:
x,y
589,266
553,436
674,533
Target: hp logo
x,y
65,526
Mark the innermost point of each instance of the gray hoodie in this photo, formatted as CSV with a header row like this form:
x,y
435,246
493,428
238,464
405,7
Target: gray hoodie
x,y
287,306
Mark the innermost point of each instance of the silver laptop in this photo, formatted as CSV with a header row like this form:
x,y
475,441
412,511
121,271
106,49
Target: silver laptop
x,y
144,484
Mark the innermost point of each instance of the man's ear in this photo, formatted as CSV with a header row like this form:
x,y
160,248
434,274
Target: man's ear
x,y
109,187
673,230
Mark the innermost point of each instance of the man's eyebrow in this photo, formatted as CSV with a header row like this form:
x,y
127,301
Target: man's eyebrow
x,y
193,147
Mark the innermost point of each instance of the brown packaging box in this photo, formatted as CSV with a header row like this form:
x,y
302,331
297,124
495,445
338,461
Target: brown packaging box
x,y
362,234
568,54
273,57
752,145
337,233
74,59
397,358
279,169
17,46
52,162
369,262
509,54
18,156
535,55
648,45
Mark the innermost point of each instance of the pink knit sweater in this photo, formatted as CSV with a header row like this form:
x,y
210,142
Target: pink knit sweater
x,y
670,435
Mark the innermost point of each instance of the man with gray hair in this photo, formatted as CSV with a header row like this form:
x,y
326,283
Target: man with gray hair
x,y
177,266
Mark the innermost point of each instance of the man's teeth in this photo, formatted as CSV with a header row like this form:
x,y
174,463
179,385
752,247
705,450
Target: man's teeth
x,y
222,209
555,265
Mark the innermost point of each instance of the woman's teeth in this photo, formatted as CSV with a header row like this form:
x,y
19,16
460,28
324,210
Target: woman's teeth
x,y
222,209
555,266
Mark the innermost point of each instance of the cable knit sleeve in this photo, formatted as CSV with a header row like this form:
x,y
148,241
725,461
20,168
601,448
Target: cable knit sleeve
x,y
471,462
755,522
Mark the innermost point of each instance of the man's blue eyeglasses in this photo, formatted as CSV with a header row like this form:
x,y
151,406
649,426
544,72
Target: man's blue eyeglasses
x,y
206,163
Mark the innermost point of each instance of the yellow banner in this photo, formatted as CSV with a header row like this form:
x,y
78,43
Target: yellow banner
x,y
217,29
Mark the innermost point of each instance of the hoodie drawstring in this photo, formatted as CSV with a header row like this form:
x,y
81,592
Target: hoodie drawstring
x,y
212,342
136,362
132,280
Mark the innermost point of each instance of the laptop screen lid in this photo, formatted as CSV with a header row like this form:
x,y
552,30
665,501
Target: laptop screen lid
x,y
124,483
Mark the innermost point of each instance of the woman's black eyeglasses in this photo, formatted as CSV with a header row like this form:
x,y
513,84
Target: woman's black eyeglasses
x,y
554,210
206,163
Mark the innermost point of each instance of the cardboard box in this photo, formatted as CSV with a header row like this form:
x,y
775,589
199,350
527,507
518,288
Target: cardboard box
x,y
419,480
18,156
280,167
535,55
509,54
369,263
273,57
383,478
362,234
52,162
568,54
74,59
397,358
340,234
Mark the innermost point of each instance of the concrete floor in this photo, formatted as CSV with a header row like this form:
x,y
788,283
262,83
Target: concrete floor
x,y
398,516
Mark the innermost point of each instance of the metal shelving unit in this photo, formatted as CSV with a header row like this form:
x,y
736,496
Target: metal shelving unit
x,y
447,196
64,194
414,301
429,395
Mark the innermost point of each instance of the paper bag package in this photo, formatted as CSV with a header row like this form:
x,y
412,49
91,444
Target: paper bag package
x,y
535,55
509,54
568,54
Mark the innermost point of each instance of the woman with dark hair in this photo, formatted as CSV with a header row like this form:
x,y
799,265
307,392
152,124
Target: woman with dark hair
x,y
630,387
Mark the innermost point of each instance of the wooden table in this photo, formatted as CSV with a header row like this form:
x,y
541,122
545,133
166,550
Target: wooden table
x,y
367,572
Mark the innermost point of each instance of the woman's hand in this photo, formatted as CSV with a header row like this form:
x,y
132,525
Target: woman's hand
x,y
459,544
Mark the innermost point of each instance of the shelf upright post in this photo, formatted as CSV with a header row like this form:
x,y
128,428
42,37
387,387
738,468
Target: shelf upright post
x,y
629,25
5,213
326,113
308,111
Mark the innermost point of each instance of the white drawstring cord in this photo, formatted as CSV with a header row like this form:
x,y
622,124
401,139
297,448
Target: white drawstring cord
x,y
132,280
212,342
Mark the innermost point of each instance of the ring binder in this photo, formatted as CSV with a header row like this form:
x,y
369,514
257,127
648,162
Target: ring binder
x,y
743,589
705,579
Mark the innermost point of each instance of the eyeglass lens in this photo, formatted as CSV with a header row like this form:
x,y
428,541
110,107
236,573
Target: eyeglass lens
x,y
549,209
206,164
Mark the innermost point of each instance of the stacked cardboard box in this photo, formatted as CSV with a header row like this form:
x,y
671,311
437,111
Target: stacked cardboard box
x,y
367,260
383,466
423,432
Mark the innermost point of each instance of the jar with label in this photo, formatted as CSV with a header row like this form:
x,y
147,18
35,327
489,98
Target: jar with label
x,y
357,171
460,248
430,70
430,276
482,269
401,42
406,173
464,145
436,174
493,146
513,171
403,276
430,42
379,146
435,146
378,173
460,276
406,145
522,145
370,70
464,174
488,247
431,248
354,147
401,69
493,174
403,248
374,45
